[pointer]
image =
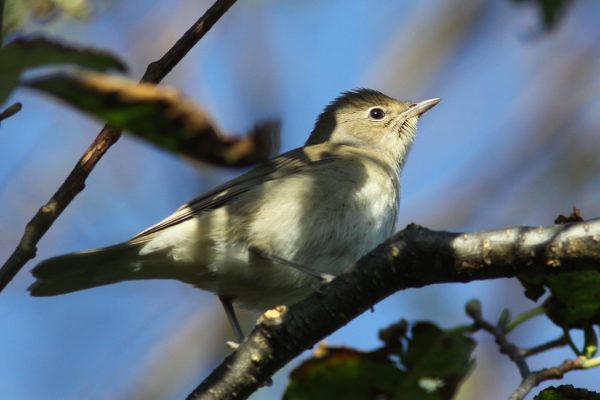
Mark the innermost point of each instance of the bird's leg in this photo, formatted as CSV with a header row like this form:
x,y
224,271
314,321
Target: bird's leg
x,y
322,278
233,322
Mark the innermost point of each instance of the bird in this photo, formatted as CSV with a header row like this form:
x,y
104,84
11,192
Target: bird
x,y
263,238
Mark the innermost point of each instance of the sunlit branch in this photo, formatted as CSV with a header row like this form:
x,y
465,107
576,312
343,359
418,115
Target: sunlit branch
x,y
413,258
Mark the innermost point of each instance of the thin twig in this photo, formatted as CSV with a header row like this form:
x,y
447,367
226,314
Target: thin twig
x,y
518,356
570,341
506,347
537,377
10,111
157,70
75,182
558,342
524,317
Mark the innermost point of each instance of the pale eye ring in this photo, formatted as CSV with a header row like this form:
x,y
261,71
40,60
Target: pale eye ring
x,y
376,113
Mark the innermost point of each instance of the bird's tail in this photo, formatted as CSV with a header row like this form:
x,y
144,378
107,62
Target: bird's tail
x,y
88,269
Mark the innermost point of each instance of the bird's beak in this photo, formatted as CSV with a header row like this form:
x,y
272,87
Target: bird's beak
x,y
416,109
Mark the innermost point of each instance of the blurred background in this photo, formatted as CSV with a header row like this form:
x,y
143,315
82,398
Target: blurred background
x,y
515,141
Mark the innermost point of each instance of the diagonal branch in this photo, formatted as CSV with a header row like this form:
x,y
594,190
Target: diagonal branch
x,y
552,344
75,182
529,379
535,378
506,347
413,258
10,110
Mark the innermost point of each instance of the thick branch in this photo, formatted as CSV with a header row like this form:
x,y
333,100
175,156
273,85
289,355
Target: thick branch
x,y
413,258
75,182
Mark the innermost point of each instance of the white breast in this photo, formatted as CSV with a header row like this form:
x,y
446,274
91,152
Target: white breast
x,y
324,221
329,221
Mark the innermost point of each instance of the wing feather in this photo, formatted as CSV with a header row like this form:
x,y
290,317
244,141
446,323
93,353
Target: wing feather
x,y
289,163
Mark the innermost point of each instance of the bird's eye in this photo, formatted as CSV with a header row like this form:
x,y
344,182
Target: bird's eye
x,y
377,113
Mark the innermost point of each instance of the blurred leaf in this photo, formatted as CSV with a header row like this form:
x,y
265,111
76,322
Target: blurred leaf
x,y
574,300
344,374
433,365
435,355
534,286
24,53
18,13
79,9
551,11
30,52
504,319
160,115
566,392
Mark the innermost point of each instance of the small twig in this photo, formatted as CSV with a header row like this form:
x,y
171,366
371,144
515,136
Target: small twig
x,y
506,347
570,341
10,111
518,356
592,362
558,342
75,182
157,70
535,378
523,317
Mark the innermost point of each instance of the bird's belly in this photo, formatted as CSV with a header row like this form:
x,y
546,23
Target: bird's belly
x,y
327,231
320,237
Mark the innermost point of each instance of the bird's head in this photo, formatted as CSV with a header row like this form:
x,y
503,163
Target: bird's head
x,y
371,119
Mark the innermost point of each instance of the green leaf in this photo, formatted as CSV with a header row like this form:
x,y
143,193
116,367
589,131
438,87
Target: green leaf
x,y
432,366
504,318
25,53
160,115
575,299
566,392
343,373
434,355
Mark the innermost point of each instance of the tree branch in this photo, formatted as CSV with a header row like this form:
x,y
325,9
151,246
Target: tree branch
x,y
519,356
506,347
10,111
75,182
552,344
412,258
535,378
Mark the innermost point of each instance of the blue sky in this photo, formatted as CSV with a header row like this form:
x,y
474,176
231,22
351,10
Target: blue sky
x,y
513,142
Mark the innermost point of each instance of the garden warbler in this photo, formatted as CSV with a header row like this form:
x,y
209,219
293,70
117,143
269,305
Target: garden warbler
x,y
259,240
